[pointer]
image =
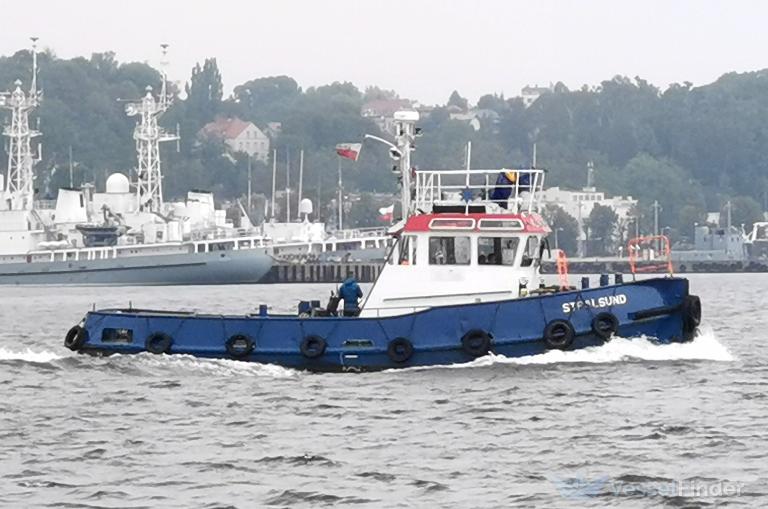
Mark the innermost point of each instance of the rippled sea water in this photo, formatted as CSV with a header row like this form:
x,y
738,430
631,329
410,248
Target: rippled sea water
x,y
627,424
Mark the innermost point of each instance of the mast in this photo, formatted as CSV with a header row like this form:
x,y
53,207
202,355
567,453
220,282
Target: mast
x,y
340,191
301,183
287,186
274,175
19,190
406,134
148,136
249,185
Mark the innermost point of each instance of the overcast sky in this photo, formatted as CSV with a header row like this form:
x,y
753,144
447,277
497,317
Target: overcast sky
x,y
423,49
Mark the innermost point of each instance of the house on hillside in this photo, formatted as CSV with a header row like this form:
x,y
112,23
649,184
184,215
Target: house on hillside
x,y
239,135
477,118
382,112
530,94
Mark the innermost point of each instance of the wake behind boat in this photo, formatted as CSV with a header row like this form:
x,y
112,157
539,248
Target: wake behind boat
x,y
459,283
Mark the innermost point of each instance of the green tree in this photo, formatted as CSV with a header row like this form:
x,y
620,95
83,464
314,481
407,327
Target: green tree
x,y
204,93
744,211
564,228
493,102
690,216
602,223
364,213
456,100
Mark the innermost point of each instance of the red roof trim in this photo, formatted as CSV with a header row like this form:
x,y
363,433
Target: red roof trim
x,y
532,223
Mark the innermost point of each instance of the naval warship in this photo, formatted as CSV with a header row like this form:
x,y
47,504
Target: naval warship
x,y
127,235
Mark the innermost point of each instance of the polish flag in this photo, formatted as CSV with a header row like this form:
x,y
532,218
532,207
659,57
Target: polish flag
x,y
349,150
385,213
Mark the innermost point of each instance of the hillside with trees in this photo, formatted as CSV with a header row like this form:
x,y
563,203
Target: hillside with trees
x,y
691,148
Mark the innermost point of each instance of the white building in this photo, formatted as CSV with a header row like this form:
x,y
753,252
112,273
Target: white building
x,y
382,112
476,117
529,94
240,136
579,205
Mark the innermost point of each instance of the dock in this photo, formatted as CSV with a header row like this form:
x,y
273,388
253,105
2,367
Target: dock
x,y
597,266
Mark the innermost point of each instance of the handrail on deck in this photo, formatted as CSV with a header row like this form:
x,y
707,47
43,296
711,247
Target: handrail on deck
x,y
518,190
652,245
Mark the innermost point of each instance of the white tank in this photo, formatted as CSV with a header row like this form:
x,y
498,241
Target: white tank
x,y
118,183
305,206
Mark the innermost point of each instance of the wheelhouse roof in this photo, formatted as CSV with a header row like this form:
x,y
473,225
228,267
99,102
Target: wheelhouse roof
x,y
452,222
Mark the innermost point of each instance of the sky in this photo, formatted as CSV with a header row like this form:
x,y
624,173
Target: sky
x,y
423,49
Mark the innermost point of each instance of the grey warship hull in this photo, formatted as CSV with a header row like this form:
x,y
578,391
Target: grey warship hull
x,y
215,268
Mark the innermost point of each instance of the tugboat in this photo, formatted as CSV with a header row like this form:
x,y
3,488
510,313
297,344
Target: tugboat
x,y
458,284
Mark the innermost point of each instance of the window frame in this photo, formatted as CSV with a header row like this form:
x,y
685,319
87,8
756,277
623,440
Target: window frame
x,y
430,252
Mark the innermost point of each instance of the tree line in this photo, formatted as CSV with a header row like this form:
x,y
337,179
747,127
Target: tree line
x,y
693,149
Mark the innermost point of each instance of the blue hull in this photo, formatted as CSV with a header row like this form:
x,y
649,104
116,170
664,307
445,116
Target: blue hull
x,y
658,308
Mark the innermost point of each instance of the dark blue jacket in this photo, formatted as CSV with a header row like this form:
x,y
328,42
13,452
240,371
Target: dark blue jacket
x,y
350,292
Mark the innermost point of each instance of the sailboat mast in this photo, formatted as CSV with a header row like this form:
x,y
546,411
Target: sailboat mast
x,y
341,206
274,177
287,186
301,183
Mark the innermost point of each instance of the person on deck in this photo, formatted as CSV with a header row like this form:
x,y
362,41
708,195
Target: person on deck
x,y
350,293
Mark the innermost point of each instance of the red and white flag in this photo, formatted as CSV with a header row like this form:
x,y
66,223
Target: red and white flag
x,y
385,213
349,150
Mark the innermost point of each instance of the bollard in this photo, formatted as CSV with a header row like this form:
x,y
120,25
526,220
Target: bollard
x,y
262,310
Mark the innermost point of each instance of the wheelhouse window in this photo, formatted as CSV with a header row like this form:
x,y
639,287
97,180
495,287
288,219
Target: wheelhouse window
x,y
449,250
406,253
497,250
530,253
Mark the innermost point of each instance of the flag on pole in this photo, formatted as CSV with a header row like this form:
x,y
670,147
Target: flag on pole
x,y
349,150
385,213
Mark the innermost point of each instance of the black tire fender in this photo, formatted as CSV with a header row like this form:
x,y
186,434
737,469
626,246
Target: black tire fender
x,y
239,345
76,337
313,346
400,349
476,342
605,325
158,342
559,334
691,314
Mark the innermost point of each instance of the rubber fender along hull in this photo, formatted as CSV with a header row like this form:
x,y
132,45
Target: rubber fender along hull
x,y
659,309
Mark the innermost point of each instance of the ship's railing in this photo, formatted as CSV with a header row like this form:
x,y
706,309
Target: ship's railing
x,y
359,233
45,204
516,190
649,254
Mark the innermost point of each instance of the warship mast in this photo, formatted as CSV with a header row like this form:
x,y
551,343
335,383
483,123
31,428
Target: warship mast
x,y
148,136
19,184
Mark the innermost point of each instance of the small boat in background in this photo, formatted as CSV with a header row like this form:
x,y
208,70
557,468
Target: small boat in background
x,y
461,281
